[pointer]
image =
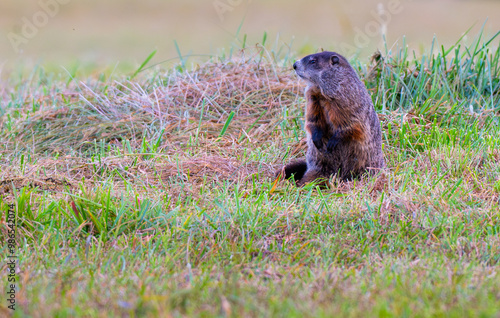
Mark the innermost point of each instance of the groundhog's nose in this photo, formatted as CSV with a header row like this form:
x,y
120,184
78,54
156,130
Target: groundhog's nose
x,y
295,65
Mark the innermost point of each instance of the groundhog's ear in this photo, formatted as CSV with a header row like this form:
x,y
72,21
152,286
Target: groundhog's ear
x,y
334,59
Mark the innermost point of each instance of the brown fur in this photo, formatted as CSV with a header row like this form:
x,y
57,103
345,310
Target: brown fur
x,y
343,130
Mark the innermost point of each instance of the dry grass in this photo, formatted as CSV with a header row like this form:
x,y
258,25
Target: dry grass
x,y
75,116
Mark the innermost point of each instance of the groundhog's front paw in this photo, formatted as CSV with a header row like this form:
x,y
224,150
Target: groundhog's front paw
x,y
318,143
332,143
317,139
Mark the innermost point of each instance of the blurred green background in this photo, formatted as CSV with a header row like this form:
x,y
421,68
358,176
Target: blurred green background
x,y
122,33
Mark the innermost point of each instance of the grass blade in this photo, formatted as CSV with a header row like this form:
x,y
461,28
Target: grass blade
x,y
146,61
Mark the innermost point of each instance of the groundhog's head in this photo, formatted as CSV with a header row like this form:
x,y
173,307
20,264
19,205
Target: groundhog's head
x,y
326,71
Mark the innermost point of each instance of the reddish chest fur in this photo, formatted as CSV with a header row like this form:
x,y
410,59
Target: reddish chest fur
x,y
328,116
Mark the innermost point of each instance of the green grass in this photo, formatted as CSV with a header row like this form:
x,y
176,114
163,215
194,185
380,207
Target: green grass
x,y
154,196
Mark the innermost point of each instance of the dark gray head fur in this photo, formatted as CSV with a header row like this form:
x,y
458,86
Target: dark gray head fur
x,y
330,73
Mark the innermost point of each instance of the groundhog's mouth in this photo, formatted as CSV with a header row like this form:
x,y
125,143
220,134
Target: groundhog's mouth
x,y
300,75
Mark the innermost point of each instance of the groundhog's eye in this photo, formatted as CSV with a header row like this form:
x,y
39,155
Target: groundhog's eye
x,y
312,61
335,59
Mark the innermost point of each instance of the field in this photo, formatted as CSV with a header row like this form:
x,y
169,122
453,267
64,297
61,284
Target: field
x,y
152,194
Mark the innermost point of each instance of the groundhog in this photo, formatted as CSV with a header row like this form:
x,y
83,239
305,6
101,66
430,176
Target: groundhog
x,y
343,130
